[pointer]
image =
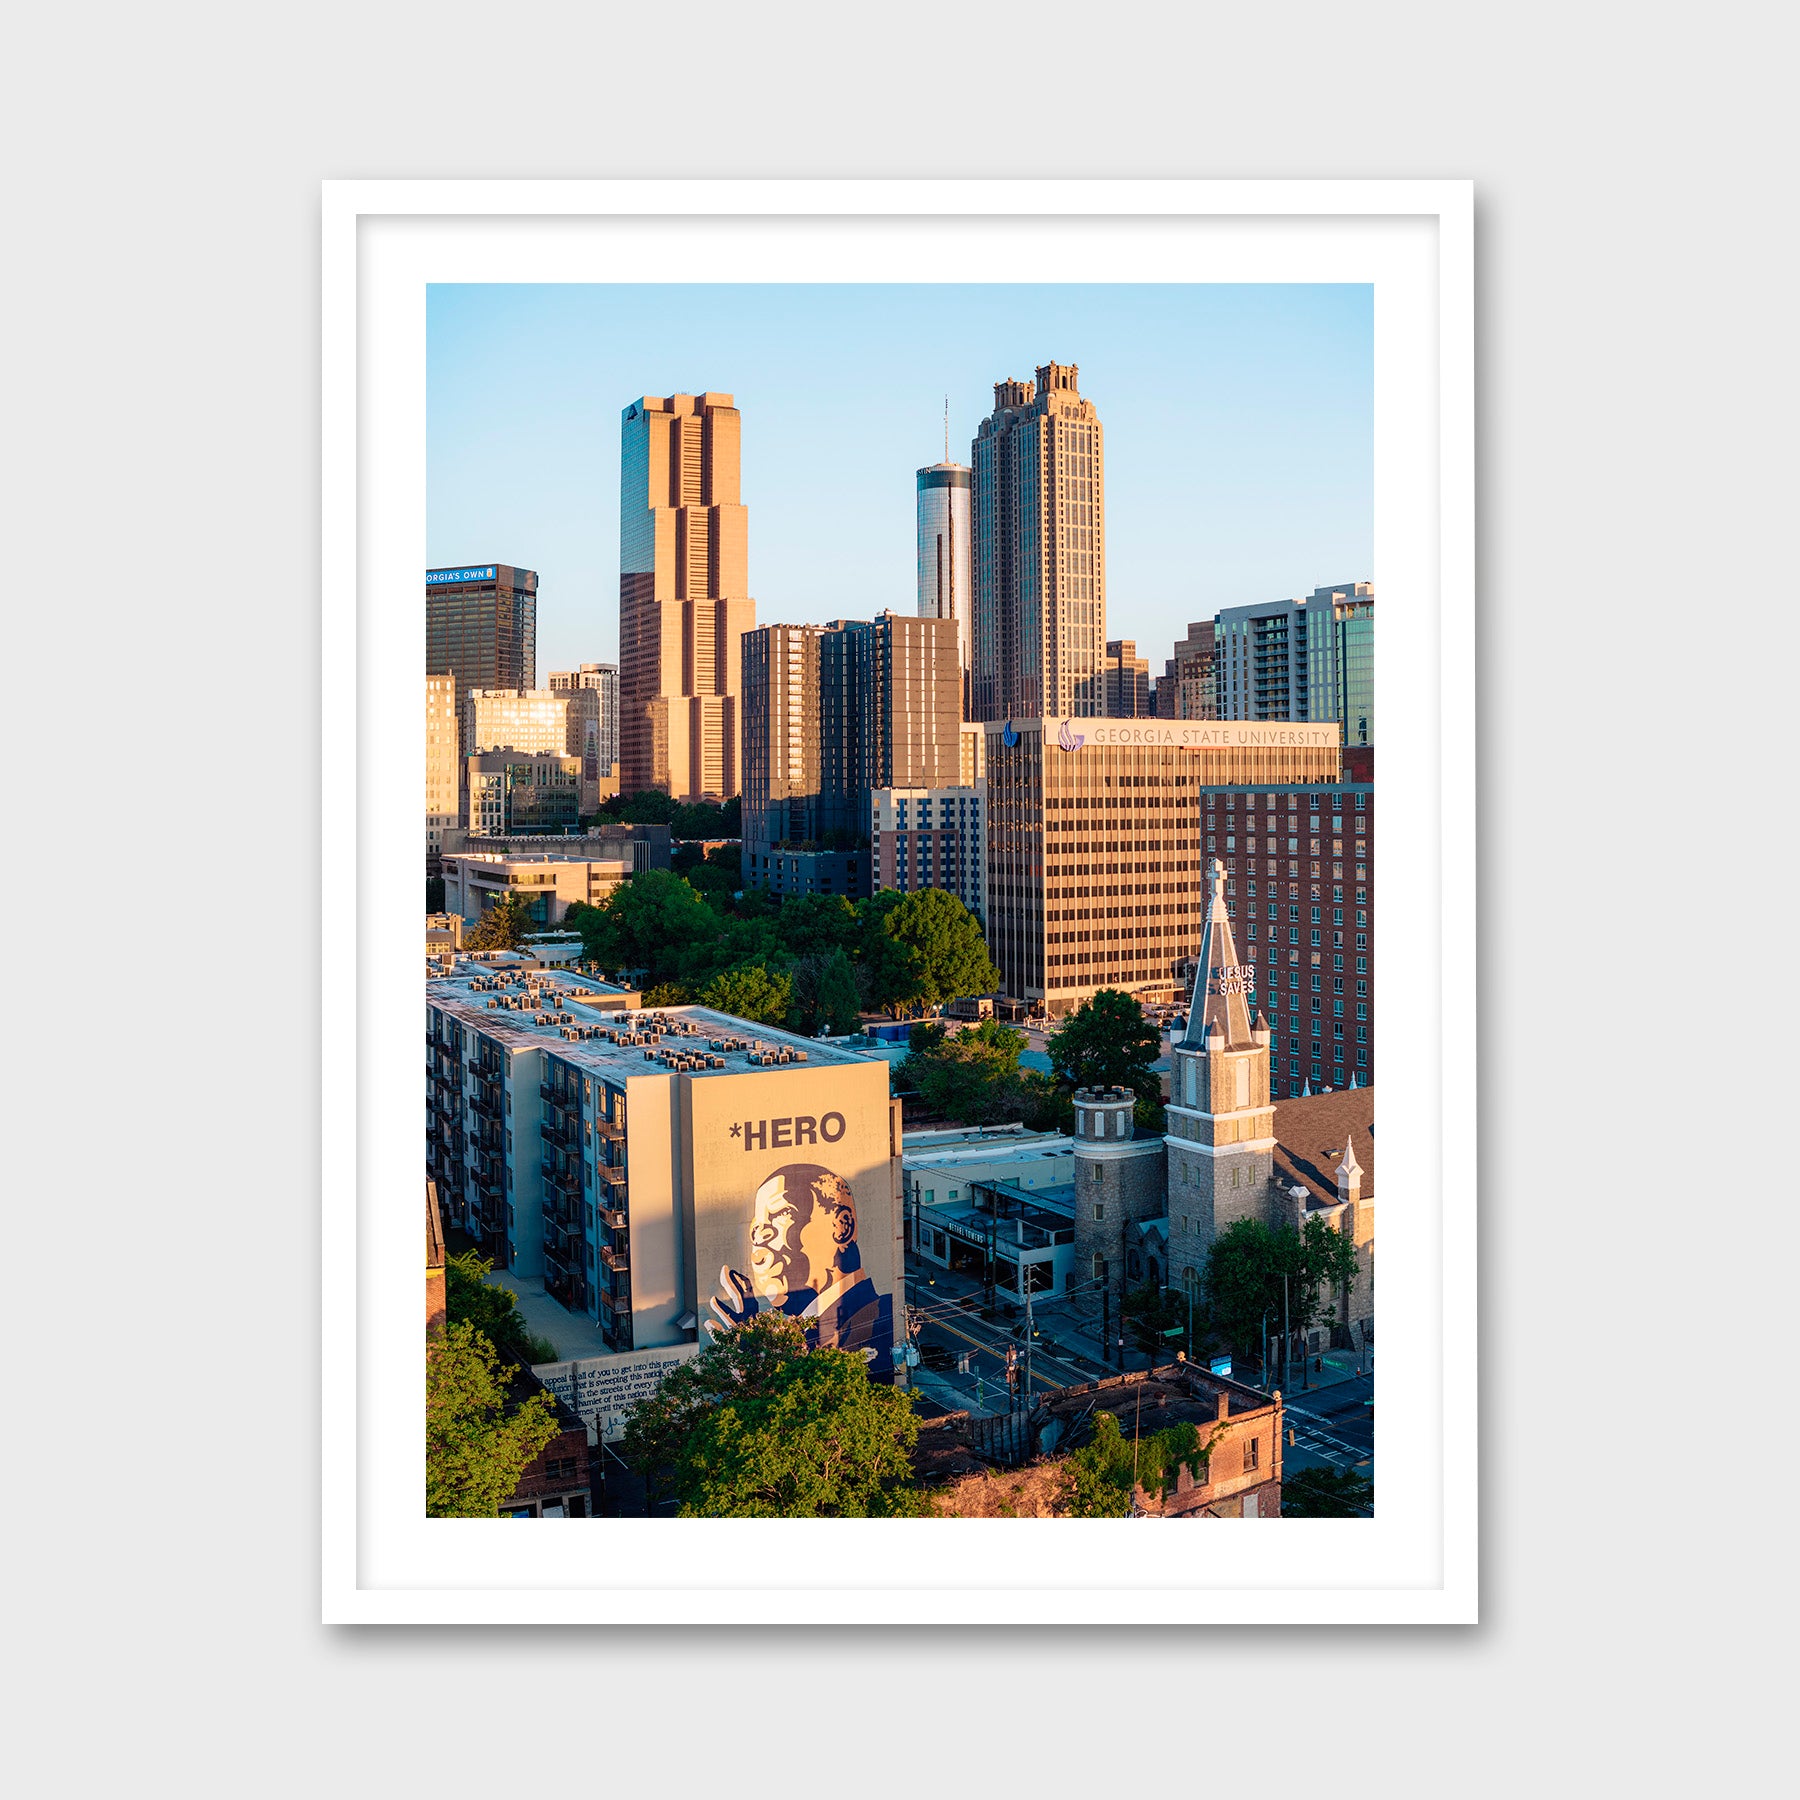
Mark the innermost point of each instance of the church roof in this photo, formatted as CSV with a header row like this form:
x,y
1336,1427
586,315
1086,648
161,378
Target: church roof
x,y
1220,997
1310,1135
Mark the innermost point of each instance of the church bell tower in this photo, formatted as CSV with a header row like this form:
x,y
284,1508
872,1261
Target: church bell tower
x,y
1221,1134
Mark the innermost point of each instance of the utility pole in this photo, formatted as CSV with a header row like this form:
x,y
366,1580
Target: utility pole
x,y
1025,1274
1287,1335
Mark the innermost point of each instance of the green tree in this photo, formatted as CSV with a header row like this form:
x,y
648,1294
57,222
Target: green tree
x,y
973,1077
470,1298
477,1444
758,1426
752,991
646,924
669,993
1244,1270
946,939
729,942
1326,1494
892,971
504,926
1107,1042
434,893
1100,1477
650,806
817,924
839,1001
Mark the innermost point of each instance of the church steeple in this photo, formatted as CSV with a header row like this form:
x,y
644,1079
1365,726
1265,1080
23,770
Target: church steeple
x,y
1221,997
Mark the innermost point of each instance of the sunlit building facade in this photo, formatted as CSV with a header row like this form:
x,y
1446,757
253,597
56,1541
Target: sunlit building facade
x,y
593,697
944,573
1095,841
443,766
1038,538
1310,658
481,625
684,601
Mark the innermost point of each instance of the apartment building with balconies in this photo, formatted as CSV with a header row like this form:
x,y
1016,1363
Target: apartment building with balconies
x,y
660,1170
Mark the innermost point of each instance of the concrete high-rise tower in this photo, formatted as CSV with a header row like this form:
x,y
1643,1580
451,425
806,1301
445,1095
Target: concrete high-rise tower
x,y
684,601
1038,537
1221,1116
944,575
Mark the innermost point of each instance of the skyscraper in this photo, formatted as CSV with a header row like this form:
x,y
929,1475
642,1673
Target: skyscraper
x,y
1310,658
781,743
944,577
684,604
1186,689
1038,537
481,626
1127,681
830,715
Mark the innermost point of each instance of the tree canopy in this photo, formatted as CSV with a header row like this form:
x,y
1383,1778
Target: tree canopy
x,y
1244,1270
974,1076
1107,1042
683,929
751,991
476,1444
685,819
758,1426
1101,1476
494,1311
504,926
950,955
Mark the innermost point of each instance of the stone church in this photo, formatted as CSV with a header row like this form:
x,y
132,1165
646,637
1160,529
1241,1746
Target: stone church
x,y
1148,1205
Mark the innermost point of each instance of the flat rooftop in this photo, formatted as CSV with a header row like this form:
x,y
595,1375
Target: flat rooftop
x,y
585,1022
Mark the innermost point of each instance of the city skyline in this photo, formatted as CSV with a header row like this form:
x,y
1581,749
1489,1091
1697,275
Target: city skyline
x,y
1267,457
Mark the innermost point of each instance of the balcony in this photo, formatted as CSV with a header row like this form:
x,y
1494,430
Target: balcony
x,y
564,1131
612,1217
561,1175
605,1128
618,1261
566,1098
615,1179
486,1103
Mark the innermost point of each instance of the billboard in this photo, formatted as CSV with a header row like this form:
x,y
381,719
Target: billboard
x,y
794,1209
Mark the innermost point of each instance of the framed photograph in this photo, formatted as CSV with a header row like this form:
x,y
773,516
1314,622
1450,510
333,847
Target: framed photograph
x,y
906,942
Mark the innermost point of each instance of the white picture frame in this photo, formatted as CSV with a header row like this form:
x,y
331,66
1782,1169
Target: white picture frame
x,y
382,1560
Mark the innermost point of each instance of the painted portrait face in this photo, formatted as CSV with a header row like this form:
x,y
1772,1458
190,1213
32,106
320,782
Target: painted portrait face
x,y
802,1232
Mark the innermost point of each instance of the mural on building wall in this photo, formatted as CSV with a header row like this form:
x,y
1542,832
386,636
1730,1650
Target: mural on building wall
x,y
805,1261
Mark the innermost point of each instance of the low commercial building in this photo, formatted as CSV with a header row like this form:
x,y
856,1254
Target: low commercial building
x,y
931,837
528,719
548,882
524,794
1239,1428
668,1174
639,847
558,1482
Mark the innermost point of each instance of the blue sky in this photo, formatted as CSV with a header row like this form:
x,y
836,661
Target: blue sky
x,y
1239,434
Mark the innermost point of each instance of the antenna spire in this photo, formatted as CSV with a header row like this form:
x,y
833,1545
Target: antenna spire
x,y
946,428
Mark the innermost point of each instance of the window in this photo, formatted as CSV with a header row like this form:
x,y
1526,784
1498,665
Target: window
x,y
1099,1205
1253,1454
